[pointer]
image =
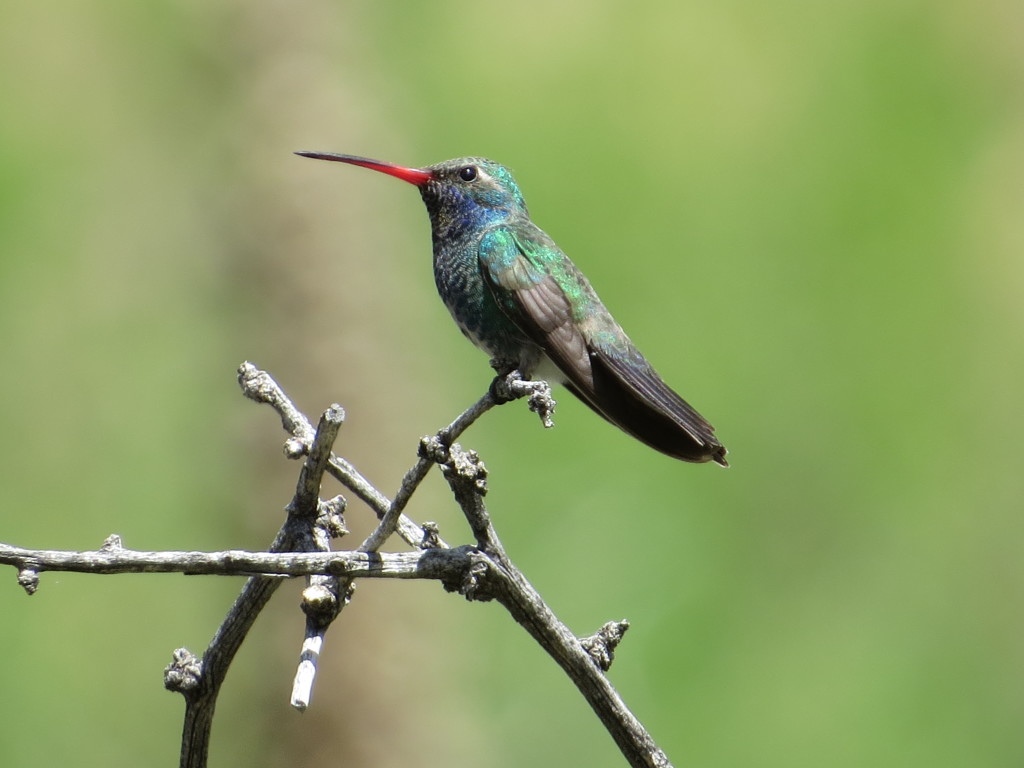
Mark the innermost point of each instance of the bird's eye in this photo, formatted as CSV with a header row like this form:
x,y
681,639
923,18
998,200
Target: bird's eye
x,y
468,173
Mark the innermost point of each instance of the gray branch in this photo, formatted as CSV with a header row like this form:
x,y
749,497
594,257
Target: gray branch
x,y
583,661
446,565
305,529
302,548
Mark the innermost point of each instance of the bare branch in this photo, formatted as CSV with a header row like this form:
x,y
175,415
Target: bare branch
x,y
302,548
504,389
258,385
307,492
300,532
202,684
466,475
419,470
419,564
325,595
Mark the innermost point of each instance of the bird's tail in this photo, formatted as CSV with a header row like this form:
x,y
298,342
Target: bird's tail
x,y
631,395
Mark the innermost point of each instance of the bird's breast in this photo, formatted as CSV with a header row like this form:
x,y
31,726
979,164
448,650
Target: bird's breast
x,y
470,300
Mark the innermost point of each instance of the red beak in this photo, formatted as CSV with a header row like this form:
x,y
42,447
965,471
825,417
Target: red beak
x,y
416,176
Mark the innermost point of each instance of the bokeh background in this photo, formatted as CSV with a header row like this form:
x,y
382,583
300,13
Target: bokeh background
x,y
809,217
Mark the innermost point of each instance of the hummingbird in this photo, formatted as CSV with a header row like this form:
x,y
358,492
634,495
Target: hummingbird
x,y
519,298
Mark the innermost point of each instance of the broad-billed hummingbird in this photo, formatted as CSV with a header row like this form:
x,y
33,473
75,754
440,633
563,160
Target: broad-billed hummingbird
x,y
520,299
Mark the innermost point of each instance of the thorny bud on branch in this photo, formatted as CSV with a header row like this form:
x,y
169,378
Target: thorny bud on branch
x,y
184,673
331,518
28,579
294,448
431,535
602,644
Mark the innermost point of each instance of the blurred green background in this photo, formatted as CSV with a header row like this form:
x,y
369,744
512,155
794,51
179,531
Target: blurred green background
x,y
808,216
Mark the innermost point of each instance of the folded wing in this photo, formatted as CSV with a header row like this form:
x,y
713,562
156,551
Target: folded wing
x,y
546,297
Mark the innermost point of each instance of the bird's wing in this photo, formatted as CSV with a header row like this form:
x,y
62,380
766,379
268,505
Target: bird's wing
x,y
524,287
545,296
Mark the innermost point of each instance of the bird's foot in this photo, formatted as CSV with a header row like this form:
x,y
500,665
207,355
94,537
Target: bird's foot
x,y
512,386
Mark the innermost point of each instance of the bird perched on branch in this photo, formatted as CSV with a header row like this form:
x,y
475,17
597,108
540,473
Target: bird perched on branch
x,y
519,298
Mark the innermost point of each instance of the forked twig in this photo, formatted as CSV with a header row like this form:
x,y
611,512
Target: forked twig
x,y
302,547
